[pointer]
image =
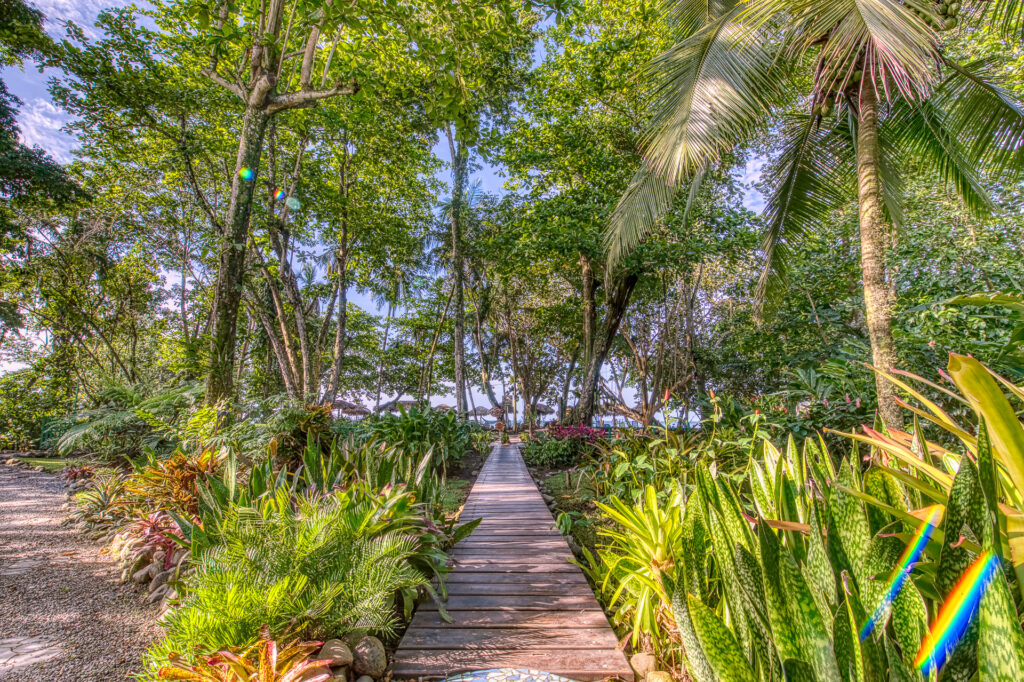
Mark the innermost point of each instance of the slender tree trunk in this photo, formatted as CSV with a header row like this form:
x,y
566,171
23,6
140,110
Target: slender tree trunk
x,y
460,162
383,355
613,317
231,270
563,402
878,300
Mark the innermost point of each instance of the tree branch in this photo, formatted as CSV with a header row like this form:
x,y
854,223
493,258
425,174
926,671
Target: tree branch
x,y
302,98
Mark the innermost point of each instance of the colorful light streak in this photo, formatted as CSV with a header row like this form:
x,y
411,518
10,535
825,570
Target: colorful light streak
x,y
906,563
279,194
956,614
246,173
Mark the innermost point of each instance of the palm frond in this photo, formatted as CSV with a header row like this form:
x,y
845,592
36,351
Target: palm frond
x,y
812,176
921,131
643,204
988,121
1008,15
895,46
711,90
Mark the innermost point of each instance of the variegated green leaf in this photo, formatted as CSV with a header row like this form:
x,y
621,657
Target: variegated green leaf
x,y
696,662
819,568
812,633
750,578
783,627
798,671
847,644
851,525
965,509
716,641
1000,640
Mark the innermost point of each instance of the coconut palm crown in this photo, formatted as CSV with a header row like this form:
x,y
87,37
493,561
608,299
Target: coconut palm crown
x,y
858,89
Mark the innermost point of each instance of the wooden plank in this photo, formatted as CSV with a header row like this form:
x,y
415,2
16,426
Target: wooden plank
x,y
586,665
509,638
494,578
512,619
485,566
484,602
531,589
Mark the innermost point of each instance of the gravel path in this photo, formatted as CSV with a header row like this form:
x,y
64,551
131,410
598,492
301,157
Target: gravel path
x,y
62,614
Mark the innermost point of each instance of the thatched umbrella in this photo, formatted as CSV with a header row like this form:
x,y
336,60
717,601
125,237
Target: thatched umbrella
x,y
496,412
543,409
481,411
340,404
442,407
355,411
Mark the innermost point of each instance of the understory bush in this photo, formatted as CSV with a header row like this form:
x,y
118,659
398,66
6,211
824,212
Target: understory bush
x,y
310,565
423,430
561,446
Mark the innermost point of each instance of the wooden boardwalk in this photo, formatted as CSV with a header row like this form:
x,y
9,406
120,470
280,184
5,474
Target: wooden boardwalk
x,y
514,598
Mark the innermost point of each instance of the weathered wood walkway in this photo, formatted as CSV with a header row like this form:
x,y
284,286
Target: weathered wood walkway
x,y
514,598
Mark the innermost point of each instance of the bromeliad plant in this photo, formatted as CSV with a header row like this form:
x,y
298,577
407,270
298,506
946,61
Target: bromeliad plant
x,y
261,662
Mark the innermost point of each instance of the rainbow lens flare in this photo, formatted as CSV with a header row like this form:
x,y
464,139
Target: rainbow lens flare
x,y
279,194
246,173
956,614
906,563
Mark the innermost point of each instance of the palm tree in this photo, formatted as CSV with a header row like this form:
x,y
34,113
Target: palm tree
x,y
881,93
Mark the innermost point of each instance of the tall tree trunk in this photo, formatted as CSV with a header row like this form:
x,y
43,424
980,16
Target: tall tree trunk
x,y
878,299
231,270
460,163
616,308
383,355
563,401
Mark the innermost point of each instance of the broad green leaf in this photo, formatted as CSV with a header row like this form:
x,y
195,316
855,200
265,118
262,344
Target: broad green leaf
x,y
1000,640
847,643
718,644
697,663
990,403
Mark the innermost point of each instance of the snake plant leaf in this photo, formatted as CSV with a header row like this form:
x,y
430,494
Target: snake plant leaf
x,y
812,630
751,582
1000,640
821,579
881,486
965,508
719,646
909,620
694,540
847,643
990,403
999,522
731,511
852,532
798,671
722,546
782,626
962,664
819,464
761,490
898,670
696,662
872,656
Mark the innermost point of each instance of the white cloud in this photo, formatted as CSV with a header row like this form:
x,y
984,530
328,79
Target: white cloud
x,y
81,12
41,124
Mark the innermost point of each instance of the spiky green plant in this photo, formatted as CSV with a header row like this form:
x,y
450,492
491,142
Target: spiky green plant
x,y
318,564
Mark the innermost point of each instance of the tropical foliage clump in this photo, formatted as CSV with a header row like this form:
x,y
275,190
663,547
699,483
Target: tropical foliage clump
x,y
801,544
